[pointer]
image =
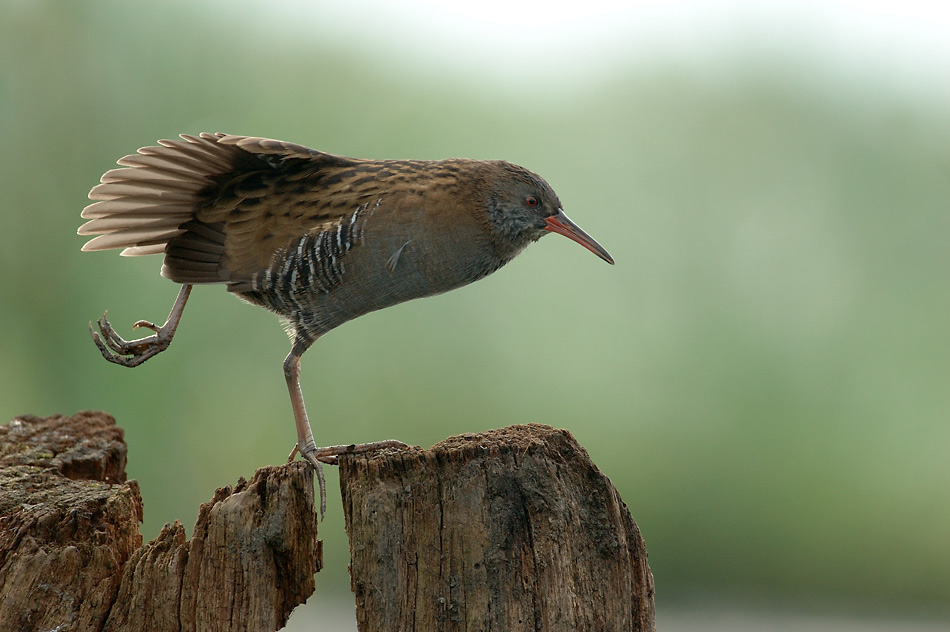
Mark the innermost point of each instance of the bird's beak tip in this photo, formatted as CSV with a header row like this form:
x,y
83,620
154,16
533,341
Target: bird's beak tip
x,y
560,224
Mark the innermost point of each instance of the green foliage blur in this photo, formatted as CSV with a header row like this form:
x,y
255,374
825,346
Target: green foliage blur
x,y
763,375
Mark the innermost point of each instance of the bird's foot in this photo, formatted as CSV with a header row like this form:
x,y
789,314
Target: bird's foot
x,y
330,453
318,456
118,350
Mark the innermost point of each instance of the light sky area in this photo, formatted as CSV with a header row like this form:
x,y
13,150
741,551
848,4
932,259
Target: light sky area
x,y
906,41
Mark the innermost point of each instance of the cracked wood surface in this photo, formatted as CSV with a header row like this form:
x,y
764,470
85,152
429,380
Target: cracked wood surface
x,y
512,529
71,557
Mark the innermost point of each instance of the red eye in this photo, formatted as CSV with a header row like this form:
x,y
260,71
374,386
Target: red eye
x,y
531,201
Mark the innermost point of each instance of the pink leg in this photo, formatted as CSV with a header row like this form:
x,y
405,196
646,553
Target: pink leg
x,y
305,444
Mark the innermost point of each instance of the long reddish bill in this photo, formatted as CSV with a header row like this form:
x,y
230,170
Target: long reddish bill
x,y
561,225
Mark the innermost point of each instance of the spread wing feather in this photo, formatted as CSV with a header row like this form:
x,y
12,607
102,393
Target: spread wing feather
x,y
219,206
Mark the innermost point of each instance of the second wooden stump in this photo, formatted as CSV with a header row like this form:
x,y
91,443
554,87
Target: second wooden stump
x,y
512,529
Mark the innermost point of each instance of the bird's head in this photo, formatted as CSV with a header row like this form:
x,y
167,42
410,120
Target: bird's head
x,y
523,208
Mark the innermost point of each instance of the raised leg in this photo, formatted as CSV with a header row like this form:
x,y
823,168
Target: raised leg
x,y
132,353
305,444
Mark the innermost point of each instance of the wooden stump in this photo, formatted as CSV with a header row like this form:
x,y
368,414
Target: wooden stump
x,y
509,530
71,557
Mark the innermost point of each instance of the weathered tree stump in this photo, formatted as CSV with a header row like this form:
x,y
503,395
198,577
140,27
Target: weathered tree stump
x,y
71,557
513,529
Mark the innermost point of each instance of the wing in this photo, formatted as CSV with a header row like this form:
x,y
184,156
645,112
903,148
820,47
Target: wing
x,y
219,206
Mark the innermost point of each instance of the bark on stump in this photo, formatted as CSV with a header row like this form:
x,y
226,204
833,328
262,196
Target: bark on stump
x,y
514,529
71,557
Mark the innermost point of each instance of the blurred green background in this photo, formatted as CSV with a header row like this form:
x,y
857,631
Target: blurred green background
x,y
763,375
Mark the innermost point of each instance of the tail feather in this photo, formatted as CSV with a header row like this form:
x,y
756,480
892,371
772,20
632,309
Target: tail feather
x,y
139,251
131,237
118,222
161,191
129,206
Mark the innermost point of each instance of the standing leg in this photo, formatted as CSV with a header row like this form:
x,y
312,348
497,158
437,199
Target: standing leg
x,y
305,444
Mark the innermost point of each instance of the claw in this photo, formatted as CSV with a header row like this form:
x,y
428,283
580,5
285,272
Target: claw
x,y
330,455
321,481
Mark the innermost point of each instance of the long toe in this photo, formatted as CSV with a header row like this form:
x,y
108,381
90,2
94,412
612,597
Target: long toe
x,y
318,468
333,451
